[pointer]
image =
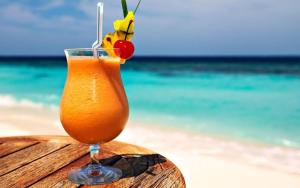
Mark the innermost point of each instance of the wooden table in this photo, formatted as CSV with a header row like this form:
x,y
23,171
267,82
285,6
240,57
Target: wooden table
x,y
44,161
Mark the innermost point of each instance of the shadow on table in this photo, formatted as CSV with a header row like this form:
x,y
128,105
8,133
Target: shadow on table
x,y
133,165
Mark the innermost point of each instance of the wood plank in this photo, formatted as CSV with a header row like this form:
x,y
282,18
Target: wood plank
x,y
162,179
60,177
65,184
144,169
50,138
121,148
138,170
27,155
141,167
33,172
178,180
9,147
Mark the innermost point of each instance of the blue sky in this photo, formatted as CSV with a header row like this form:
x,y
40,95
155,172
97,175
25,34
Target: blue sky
x,y
168,27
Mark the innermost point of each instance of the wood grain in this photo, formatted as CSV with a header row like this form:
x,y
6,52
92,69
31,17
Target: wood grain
x,y
10,147
59,178
27,155
45,161
33,172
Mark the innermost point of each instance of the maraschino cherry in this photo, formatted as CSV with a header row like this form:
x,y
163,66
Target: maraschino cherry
x,y
123,48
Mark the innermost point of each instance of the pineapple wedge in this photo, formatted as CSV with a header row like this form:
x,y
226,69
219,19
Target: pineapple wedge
x,y
124,30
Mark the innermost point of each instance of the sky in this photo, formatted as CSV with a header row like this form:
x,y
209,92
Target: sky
x,y
162,27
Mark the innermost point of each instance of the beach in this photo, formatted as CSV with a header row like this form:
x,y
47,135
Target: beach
x,y
224,122
204,160
212,86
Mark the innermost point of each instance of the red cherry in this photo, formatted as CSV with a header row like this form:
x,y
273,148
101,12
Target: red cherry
x,y
124,49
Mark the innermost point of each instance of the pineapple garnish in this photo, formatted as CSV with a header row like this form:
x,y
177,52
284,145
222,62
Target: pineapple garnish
x,y
122,27
124,30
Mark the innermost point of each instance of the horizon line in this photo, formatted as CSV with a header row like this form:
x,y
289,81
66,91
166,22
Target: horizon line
x,y
164,56
163,59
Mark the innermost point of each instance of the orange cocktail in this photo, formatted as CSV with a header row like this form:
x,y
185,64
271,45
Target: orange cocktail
x,y
94,106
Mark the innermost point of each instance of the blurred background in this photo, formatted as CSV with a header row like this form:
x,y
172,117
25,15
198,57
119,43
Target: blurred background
x,y
226,72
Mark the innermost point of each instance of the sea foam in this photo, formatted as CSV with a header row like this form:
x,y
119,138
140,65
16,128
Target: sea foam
x,y
10,101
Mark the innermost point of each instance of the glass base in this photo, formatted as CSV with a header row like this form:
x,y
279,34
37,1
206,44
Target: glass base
x,y
94,174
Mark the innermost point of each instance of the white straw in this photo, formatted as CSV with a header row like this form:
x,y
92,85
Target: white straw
x,y
98,42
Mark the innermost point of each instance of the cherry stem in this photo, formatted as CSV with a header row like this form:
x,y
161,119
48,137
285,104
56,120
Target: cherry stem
x,y
130,22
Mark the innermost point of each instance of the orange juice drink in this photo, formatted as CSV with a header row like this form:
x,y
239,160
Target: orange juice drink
x,y
94,107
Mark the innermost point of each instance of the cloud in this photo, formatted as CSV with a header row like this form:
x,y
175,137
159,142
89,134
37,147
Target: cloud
x,y
19,15
85,7
162,27
16,13
52,4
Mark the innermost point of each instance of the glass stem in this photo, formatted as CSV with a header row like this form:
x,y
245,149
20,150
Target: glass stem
x,y
94,151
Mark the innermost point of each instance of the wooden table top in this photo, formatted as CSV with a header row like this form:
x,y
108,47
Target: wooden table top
x,y
44,161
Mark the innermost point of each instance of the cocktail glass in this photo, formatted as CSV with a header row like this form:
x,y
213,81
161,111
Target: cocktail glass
x,y
94,108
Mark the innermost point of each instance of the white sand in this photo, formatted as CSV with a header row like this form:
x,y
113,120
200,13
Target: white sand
x,y
204,161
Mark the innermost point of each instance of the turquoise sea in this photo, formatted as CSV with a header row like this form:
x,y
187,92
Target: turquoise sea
x,y
254,99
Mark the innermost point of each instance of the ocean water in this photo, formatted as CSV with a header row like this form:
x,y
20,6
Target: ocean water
x,y
244,98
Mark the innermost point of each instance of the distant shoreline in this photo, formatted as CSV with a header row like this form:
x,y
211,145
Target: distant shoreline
x,y
231,59
168,65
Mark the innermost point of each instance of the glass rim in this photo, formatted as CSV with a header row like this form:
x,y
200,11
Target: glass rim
x,y
89,49
91,52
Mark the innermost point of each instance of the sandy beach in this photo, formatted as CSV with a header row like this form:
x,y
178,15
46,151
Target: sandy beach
x,y
205,161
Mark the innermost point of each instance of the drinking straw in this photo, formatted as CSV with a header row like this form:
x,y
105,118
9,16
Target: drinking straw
x,y
98,42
